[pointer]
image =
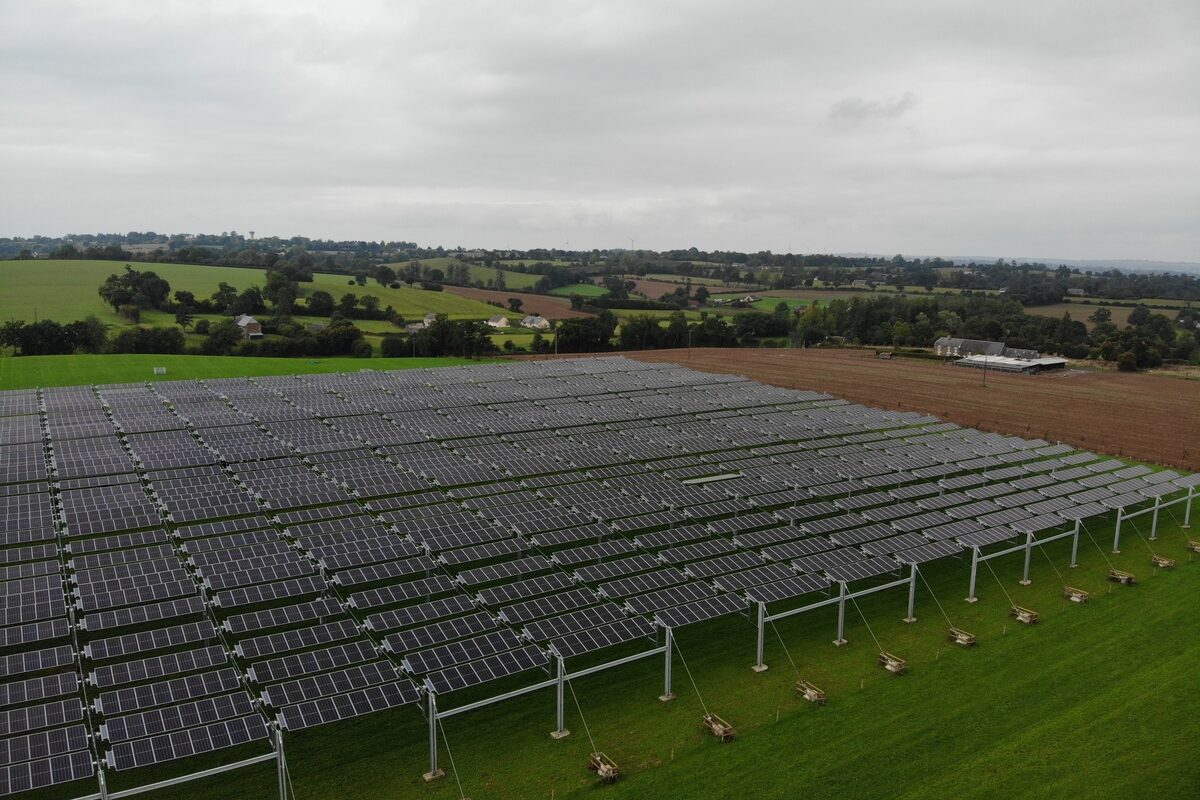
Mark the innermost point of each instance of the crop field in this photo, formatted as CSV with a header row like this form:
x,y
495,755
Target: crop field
x,y
66,290
1080,313
581,289
1146,417
545,305
29,372
478,272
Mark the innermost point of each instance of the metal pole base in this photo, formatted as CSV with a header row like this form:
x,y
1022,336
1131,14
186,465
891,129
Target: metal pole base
x,y
1072,566
666,698
759,668
1024,582
840,642
1116,552
972,599
564,733
430,777
909,620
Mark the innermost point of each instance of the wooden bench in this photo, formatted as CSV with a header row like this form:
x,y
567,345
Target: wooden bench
x,y
893,664
1122,577
719,728
605,768
1025,616
1076,595
1163,562
811,693
961,637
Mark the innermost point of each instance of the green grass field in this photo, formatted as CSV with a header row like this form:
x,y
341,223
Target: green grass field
x,y
487,275
581,289
767,303
28,372
66,290
1096,701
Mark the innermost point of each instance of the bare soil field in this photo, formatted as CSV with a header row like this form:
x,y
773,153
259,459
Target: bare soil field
x,y
1146,417
548,307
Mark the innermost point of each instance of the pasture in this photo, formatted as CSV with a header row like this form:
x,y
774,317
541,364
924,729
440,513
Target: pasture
x,y
66,290
27,372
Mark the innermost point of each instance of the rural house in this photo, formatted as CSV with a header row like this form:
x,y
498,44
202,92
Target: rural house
x,y
498,321
535,322
251,328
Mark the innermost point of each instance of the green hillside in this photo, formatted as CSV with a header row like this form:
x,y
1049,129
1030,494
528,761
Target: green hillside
x,y
66,290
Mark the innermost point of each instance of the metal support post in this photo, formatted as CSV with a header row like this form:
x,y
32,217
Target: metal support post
x,y
280,764
912,596
667,693
759,666
1117,532
434,773
560,732
841,634
1075,545
1154,518
103,784
1187,507
1028,551
971,598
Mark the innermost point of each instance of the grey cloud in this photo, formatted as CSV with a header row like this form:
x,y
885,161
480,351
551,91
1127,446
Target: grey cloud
x,y
763,124
856,110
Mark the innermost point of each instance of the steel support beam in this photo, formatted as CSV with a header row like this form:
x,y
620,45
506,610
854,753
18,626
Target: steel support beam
x,y
1028,552
912,595
667,694
1187,509
1154,519
1075,545
841,633
759,666
971,598
434,772
280,764
1117,531
560,732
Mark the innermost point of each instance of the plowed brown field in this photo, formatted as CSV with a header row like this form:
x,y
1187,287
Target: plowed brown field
x,y
1146,417
548,307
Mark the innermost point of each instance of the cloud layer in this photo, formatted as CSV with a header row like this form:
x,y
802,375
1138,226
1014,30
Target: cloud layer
x,y
931,126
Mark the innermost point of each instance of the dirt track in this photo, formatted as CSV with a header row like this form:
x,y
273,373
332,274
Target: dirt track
x,y
1146,417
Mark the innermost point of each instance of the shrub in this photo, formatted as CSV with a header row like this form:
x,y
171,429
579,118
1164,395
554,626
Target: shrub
x,y
362,349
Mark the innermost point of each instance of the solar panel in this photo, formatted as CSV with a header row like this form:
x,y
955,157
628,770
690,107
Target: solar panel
x,y
488,669
788,588
185,743
350,704
175,717
160,693
600,637
157,667
327,684
43,772
700,610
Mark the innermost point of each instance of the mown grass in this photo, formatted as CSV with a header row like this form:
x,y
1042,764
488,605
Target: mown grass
x,y
581,289
1095,701
29,372
67,290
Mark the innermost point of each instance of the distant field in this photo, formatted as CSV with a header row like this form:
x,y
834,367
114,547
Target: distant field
x,y
1146,417
66,290
545,305
29,372
581,289
512,279
1153,302
1080,313
767,301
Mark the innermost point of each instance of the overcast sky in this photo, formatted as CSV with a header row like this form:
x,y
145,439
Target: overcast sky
x,y
1047,128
